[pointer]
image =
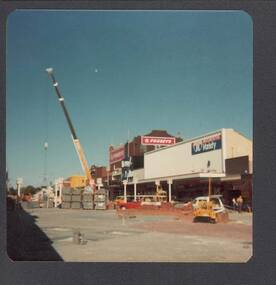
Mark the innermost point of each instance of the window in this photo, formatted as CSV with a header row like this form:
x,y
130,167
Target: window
x,y
143,148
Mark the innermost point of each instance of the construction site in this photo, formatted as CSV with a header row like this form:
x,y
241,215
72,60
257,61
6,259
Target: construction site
x,y
161,198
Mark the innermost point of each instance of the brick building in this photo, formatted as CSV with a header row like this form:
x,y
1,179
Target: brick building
x,y
133,150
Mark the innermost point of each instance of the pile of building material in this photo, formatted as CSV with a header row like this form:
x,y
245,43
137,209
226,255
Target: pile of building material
x,y
76,199
101,199
50,203
80,199
66,198
87,200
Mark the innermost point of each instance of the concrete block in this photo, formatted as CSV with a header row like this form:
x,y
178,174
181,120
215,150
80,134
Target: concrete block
x,y
100,198
87,198
76,205
76,198
66,198
88,205
76,191
66,205
66,191
100,206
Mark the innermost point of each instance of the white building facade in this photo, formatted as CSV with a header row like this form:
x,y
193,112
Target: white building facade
x,y
207,153
223,155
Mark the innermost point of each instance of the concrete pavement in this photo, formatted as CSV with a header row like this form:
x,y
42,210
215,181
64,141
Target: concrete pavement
x,y
113,238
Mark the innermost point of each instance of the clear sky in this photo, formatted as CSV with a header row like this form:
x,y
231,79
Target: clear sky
x,y
181,71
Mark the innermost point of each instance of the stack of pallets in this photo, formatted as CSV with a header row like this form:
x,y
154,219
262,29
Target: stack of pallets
x,y
66,198
100,199
87,200
76,199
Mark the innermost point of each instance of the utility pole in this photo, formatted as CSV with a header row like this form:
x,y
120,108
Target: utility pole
x,y
45,178
209,178
19,182
209,186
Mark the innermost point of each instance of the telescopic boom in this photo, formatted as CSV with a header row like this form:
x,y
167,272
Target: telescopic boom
x,y
75,139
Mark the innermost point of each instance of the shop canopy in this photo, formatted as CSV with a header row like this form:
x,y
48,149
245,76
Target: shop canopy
x,y
195,175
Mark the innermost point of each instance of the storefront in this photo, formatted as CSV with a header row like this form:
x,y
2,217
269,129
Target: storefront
x,y
183,169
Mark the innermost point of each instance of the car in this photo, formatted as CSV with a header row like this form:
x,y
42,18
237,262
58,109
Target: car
x,y
218,206
209,208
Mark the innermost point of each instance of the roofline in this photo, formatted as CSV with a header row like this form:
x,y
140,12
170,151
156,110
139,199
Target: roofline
x,y
239,133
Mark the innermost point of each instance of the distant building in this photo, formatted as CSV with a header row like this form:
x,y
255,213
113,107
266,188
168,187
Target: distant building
x,y
100,175
134,151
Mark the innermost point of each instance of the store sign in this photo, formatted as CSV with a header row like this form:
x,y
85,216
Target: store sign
x,y
117,154
147,140
207,144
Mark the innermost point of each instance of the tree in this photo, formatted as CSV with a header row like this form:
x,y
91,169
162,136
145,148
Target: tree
x,y
29,190
12,191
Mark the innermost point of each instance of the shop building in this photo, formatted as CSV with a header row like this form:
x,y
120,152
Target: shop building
x,y
183,169
130,156
100,174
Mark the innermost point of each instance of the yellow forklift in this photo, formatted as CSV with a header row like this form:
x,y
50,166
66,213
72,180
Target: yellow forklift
x,y
209,208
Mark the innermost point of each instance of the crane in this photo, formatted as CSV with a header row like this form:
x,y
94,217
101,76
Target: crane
x,y
75,139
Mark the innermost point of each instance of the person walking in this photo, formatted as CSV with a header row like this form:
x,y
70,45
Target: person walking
x,y
240,203
235,204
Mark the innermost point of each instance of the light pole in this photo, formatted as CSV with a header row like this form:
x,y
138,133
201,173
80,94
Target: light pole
x,y
209,178
125,190
19,182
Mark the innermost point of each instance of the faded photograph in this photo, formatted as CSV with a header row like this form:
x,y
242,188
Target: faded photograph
x,y
129,136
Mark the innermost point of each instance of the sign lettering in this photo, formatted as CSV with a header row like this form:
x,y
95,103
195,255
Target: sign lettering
x,y
117,154
147,140
207,144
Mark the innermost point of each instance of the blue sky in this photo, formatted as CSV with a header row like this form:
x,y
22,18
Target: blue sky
x,y
183,71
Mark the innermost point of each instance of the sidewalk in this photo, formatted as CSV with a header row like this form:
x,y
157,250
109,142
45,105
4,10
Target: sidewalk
x,y
240,218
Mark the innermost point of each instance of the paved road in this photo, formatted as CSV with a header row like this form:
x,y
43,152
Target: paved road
x,y
136,238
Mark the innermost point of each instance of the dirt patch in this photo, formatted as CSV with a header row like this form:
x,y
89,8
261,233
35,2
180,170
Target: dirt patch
x,y
173,212
225,231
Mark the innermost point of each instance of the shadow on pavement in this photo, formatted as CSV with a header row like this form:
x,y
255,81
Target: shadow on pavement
x,y
25,240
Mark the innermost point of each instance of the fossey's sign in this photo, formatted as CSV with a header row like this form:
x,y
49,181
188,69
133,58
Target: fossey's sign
x,y
207,144
149,140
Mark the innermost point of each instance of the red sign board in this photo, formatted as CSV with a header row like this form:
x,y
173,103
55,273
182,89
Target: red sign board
x,y
147,140
117,154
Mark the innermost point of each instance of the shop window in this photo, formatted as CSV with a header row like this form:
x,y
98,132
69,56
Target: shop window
x,y
143,148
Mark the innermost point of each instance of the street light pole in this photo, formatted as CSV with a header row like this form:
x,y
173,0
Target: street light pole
x,y
209,186
19,182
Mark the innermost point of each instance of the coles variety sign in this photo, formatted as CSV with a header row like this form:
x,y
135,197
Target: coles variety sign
x,y
117,154
148,140
207,144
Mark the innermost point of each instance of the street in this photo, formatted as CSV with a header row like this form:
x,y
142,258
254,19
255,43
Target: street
x,y
47,234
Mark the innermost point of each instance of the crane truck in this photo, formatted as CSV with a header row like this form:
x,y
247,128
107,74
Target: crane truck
x,y
76,141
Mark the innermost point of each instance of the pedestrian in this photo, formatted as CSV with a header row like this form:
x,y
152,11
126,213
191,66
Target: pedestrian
x,y
240,203
235,204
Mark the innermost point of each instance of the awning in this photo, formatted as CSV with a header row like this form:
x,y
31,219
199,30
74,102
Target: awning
x,y
181,177
231,178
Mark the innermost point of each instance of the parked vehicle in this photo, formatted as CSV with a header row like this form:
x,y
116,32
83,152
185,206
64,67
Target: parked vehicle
x,y
210,208
149,200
